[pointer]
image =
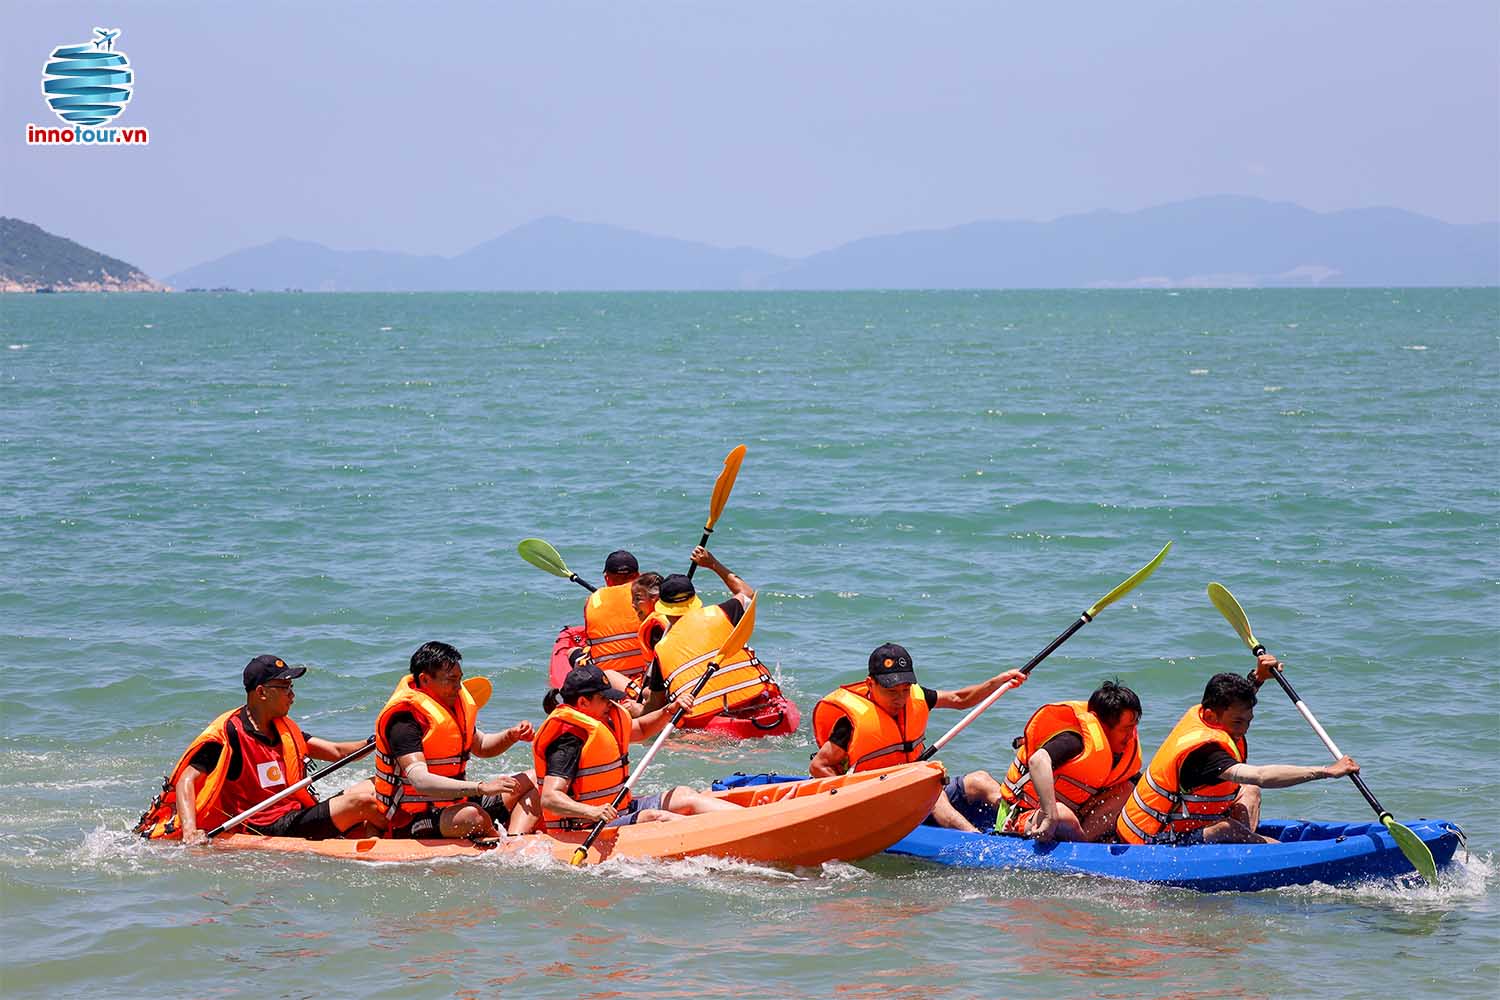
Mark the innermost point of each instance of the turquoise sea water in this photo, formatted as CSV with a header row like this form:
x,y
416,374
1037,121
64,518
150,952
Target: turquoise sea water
x,y
187,481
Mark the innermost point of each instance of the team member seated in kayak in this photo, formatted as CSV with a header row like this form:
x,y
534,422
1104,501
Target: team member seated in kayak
x,y
424,738
882,720
266,753
580,657
1198,788
1076,763
683,635
610,622
580,755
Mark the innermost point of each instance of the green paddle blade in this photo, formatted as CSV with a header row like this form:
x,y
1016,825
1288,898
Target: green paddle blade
x,y
1235,616
544,557
1418,853
1130,584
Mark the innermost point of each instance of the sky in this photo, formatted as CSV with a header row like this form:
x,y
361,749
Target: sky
x,y
792,127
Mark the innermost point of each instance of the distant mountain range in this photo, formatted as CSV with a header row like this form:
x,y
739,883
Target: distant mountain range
x,y
32,259
1207,242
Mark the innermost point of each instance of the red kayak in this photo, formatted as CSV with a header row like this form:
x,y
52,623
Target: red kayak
x,y
774,718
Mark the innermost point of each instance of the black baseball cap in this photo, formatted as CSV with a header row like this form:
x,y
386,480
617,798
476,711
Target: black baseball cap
x,y
890,665
587,679
620,562
269,668
676,596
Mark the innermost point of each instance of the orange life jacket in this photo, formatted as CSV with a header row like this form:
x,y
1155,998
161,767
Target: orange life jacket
x,y
603,766
447,741
878,740
653,627
160,818
1081,778
1161,810
684,654
612,628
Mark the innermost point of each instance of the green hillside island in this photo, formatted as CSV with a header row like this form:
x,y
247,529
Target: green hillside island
x,y
34,260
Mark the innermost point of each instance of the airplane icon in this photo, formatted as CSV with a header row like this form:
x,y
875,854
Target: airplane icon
x,y
106,39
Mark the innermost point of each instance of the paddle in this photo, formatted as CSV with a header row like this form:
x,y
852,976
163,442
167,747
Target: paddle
x,y
479,689
732,645
544,557
1411,845
716,503
1083,619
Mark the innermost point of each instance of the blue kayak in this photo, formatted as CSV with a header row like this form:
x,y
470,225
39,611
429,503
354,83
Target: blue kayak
x,y
1309,851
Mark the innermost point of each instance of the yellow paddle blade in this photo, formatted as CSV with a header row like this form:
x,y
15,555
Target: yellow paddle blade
x,y
479,689
1235,616
1418,853
1130,584
577,859
724,484
739,636
544,557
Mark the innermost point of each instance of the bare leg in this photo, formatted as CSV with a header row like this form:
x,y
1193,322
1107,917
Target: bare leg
x,y
466,820
525,805
979,786
356,810
949,817
1099,814
687,801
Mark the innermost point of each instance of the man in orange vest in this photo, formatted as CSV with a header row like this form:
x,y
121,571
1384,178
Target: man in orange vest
x,y
246,756
581,755
1198,788
610,620
1076,763
424,737
882,720
676,599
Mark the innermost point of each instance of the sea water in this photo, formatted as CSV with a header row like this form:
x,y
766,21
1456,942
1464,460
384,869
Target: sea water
x,y
187,481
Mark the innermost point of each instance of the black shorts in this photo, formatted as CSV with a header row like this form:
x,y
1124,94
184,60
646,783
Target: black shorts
x,y
313,823
424,825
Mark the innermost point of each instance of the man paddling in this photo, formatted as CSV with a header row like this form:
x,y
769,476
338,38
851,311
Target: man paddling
x,y
249,754
683,634
610,622
882,720
1076,763
1198,788
423,740
581,756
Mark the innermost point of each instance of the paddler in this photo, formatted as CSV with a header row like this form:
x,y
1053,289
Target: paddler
x,y
683,634
580,754
610,622
424,738
1076,763
882,720
1198,788
249,754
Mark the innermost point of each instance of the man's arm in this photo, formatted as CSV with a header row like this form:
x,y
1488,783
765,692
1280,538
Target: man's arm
x,y
1287,775
1040,766
495,744
187,805
555,798
975,693
830,761
321,749
414,769
739,588
643,727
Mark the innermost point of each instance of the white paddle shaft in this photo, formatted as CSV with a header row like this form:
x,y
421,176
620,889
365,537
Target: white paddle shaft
x,y
1333,747
974,713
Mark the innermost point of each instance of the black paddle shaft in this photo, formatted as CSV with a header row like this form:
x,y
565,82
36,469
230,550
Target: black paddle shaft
x,y
620,795
1359,782
702,543
582,582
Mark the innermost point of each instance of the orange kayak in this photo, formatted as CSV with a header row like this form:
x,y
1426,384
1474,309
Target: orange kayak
x,y
794,823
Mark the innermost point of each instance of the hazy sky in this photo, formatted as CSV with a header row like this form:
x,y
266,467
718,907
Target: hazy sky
x,y
789,126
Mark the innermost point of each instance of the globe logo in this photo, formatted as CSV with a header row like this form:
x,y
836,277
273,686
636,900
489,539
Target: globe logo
x,y
88,84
